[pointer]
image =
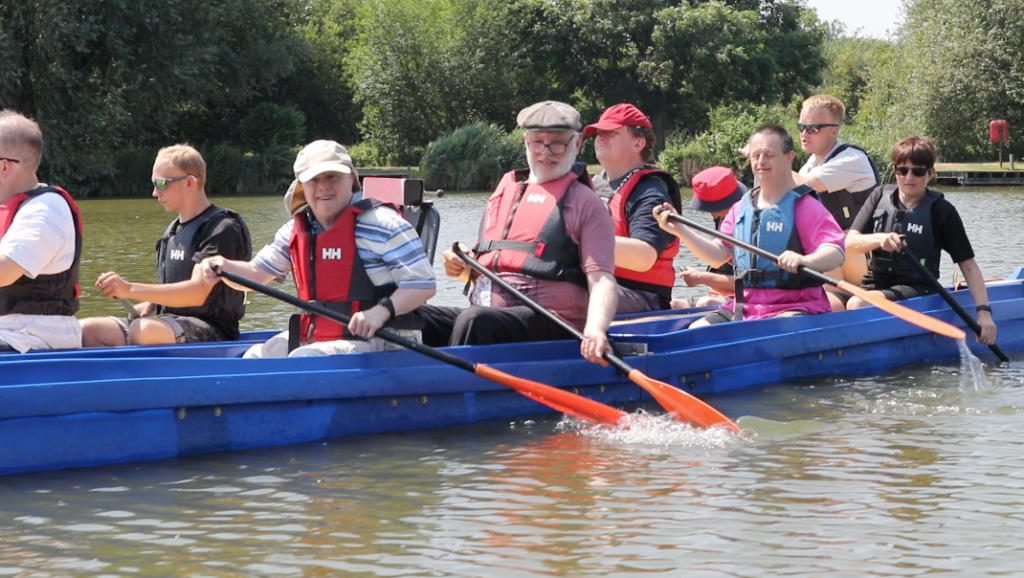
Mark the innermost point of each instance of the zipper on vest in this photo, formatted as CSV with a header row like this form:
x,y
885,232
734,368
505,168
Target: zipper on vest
x,y
312,280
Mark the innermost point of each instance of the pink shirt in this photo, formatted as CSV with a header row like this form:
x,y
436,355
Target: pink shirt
x,y
816,228
589,224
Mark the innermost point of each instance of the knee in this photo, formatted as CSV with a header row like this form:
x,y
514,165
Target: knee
x,y
856,303
100,332
836,303
146,331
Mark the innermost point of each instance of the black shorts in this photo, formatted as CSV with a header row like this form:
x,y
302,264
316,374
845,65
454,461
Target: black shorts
x,y
893,293
186,329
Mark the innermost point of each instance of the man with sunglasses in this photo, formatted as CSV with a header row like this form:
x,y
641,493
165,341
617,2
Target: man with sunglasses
x,y
912,215
546,232
40,247
624,145
182,307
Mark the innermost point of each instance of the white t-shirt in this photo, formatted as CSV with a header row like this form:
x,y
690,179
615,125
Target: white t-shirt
x,y
41,239
850,170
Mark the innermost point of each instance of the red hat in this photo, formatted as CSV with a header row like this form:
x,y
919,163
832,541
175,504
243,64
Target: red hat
x,y
620,115
715,189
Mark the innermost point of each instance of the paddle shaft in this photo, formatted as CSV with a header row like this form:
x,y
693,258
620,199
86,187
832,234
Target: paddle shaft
x,y
560,400
970,321
132,313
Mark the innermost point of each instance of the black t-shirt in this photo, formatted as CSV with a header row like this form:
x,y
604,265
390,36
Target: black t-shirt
x,y
950,234
650,192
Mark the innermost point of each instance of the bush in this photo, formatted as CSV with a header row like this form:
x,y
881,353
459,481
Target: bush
x,y
472,158
131,171
367,154
230,171
271,125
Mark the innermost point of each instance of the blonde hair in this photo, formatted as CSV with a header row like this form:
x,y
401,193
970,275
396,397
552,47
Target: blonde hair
x,y
186,158
827,102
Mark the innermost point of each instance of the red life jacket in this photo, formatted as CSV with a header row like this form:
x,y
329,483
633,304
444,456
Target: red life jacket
x,y
661,277
523,230
328,270
55,294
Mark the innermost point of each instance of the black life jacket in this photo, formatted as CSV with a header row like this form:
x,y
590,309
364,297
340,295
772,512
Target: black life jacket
x,y
844,204
916,227
329,271
55,294
176,254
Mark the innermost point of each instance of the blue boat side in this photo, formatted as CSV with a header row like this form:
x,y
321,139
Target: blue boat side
x,y
90,407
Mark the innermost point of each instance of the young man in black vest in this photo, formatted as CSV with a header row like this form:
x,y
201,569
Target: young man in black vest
x,y
843,174
182,307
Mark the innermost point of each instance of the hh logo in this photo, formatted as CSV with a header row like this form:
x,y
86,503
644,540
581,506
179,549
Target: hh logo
x,y
774,226
536,198
331,253
915,228
178,254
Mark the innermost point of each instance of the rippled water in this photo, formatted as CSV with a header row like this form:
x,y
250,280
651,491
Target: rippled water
x,y
907,473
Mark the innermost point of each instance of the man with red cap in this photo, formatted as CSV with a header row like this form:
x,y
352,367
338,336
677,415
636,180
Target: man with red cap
x,y
715,191
643,251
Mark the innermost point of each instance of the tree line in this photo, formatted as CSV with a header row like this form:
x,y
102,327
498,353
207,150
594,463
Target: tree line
x,y
248,81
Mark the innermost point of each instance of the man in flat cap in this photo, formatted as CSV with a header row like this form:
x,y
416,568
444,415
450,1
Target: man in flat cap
x,y
547,233
643,251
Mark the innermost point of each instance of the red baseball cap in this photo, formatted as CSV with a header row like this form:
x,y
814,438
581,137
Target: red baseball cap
x,y
620,115
715,189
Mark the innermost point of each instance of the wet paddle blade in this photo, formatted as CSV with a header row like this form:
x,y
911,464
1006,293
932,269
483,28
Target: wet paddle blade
x,y
686,407
905,313
563,401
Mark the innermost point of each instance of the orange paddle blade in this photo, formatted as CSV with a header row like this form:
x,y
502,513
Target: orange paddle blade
x,y
903,312
561,400
686,407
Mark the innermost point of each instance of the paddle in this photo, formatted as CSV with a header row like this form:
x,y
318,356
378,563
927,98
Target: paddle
x,y
924,272
132,313
685,406
563,401
895,309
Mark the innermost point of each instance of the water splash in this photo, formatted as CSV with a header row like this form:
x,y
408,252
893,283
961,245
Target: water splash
x,y
972,374
643,428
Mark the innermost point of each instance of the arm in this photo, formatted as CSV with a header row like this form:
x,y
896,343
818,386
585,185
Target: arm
x,y
190,293
826,258
717,281
634,254
711,251
210,266
10,271
858,243
811,181
600,310
976,285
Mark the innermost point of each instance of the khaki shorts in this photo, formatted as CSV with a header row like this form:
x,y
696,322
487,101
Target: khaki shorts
x,y
277,346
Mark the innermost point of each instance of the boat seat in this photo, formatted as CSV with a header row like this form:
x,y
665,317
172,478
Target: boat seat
x,y
407,194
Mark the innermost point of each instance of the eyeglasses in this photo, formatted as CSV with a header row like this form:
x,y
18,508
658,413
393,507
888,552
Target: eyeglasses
x,y
162,184
918,171
556,148
812,128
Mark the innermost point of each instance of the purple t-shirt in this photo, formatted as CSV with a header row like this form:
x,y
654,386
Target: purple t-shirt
x,y
816,227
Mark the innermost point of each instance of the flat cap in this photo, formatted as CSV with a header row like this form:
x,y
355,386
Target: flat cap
x,y
549,115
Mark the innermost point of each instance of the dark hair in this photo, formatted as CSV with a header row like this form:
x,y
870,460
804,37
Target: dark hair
x,y
648,135
778,130
919,150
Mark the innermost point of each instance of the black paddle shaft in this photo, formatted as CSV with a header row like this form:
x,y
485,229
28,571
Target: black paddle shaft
x,y
384,334
752,248
923,271
615,360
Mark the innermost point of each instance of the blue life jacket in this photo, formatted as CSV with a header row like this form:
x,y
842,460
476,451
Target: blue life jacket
x,y
774,230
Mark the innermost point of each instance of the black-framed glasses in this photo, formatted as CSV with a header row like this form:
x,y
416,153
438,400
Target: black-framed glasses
x,y
918,171
812,128
9,160
556,148
161,184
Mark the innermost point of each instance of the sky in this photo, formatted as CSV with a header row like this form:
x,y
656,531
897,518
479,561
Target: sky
x,y
874,18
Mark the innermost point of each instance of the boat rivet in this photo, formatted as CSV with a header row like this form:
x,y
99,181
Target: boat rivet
x,y
820,356
576,390
600,388
693,384
707,375
839,352
216,411
682,379
181,413
423,399
394,402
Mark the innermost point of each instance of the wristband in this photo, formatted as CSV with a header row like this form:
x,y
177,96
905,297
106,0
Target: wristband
x,y
386,302
981,308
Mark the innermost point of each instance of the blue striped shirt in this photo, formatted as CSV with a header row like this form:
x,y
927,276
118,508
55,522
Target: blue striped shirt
x,y
389,247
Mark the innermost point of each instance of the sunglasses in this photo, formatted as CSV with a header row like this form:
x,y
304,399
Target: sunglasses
x,y
812,128
918,171
162,184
